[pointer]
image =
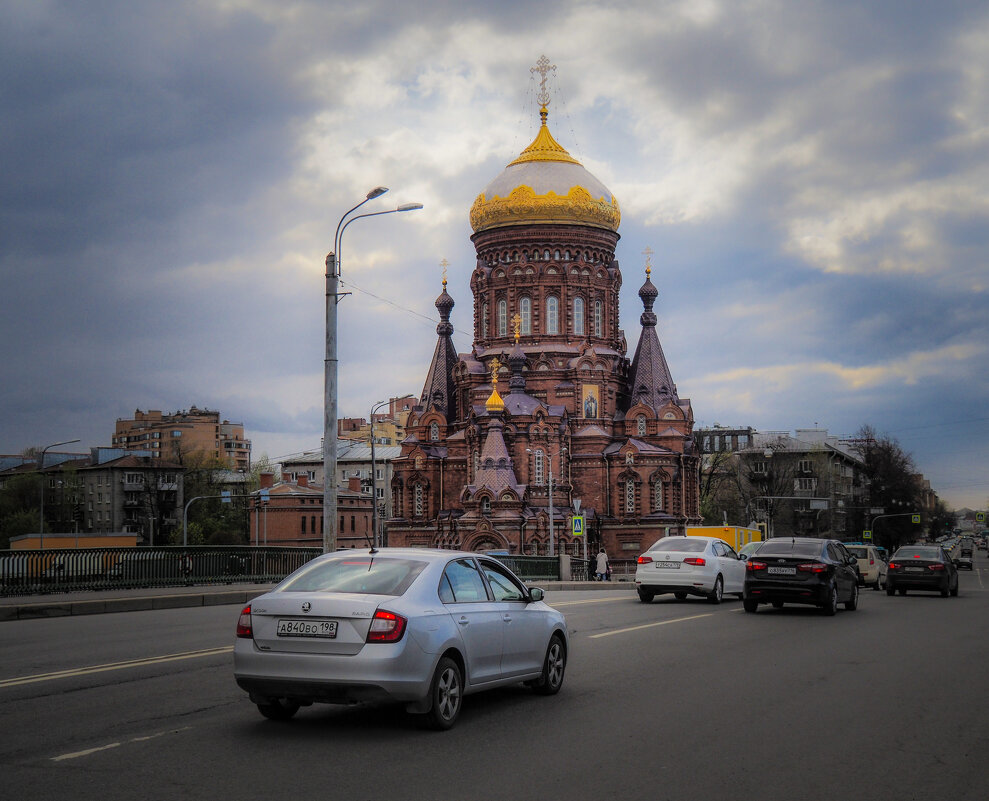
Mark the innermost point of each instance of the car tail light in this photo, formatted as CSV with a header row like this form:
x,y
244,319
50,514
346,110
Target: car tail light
x,y
812,567
936,567
644,560
894,566
386,627
244,623
700,561
872,561
752,566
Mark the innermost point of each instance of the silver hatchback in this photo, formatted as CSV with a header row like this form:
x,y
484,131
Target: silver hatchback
x,y
421,627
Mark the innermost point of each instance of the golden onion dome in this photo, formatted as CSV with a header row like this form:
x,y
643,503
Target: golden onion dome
x,y
545,184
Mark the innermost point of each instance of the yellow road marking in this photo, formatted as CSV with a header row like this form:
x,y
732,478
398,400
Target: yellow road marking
x,y
83,671
649,625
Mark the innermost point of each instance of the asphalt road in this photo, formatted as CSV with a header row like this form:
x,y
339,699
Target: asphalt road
x,y
672,700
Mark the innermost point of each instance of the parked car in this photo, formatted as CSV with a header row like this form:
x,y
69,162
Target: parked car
x,y
705,566
871,567
417,626
801,570
922,567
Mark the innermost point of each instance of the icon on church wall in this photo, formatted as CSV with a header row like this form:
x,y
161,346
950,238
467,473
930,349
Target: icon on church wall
x,y
590,401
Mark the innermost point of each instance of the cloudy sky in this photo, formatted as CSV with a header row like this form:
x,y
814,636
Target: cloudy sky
x,y
812,177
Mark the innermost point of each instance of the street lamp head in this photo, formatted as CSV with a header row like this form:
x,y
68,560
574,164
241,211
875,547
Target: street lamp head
x,y
378,191
409,207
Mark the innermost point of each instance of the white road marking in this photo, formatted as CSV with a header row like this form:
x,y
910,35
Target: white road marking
x,y
649,625
83,671
108,746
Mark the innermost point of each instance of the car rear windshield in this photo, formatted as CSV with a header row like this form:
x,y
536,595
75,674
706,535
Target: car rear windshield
x,y
372,575
789,548
681,544
858,553
918,553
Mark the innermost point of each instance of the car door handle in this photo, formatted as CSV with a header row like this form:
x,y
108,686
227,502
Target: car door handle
x,y
464,621
507,618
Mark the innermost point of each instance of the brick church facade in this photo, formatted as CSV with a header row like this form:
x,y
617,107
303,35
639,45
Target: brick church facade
x,y
546,405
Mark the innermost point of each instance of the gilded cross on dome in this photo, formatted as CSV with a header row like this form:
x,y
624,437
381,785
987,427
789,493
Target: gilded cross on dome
x,y
543,67
517,325
648,253
495,367
444,264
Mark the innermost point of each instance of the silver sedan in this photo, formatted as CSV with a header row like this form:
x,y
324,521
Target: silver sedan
x,y
417,626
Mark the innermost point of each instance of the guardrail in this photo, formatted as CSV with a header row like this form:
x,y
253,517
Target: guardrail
x,y
72,570
76,570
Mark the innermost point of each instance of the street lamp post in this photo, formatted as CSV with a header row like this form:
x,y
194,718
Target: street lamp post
x,y
333,262
375,536
41,472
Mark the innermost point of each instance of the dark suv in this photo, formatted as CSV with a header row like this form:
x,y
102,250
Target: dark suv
x,y
801,570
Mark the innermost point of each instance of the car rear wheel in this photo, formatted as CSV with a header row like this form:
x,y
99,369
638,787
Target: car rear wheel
x,y
680,596
749,605
879,584
446,695
831,605
718,592
902,591
645,596
777,604
954,592
279,709
852,603
554,666
890,589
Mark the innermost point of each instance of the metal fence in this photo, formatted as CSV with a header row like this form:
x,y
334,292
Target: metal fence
x,y
46,571
74,570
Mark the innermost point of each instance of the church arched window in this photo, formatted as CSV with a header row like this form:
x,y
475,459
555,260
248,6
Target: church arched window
x,y
578,316
640,425
657,495
552,315
419,501
486,505
434,431
502,317
598,317
630,497
525,312
537,467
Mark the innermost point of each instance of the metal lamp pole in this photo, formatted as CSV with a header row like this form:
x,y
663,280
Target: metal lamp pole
x,y
333,262
374,480
41,472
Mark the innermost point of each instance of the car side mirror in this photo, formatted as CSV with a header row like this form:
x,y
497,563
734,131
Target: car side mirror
x,y
536,594
742,557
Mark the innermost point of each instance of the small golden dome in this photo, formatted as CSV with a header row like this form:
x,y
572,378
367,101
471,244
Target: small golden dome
x,y
494,403
545,184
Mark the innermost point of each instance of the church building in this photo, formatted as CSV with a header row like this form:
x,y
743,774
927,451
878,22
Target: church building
x,y
546,413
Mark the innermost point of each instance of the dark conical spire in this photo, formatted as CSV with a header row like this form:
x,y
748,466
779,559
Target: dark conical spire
x,y
650,381
438,390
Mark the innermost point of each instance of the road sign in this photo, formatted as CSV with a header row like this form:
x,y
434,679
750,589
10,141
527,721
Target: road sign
x,y
867,535
225,496
915,519
578,525
980,517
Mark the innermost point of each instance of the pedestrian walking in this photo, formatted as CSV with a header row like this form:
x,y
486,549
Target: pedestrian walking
x,y
601,569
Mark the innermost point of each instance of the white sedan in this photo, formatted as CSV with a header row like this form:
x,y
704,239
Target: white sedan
x,y
705,566
415,626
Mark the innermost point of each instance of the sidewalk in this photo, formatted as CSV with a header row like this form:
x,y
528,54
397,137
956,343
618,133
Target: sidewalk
x,y
29,607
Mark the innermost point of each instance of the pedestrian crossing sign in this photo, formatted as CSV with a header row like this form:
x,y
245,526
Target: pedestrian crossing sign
x,y
578,525
867,534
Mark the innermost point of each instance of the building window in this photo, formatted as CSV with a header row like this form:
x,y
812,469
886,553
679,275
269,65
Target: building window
x,y
525,312
312,523
806,483
353,523
630,497
578,316
758,467
538,468
434,431
486,505
657,496
598,316
640,425
484,321
477,462
804,465
502,318
552,315
418,500
303,521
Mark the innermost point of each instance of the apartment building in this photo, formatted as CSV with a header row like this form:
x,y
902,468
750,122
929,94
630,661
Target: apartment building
x,y
181,434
